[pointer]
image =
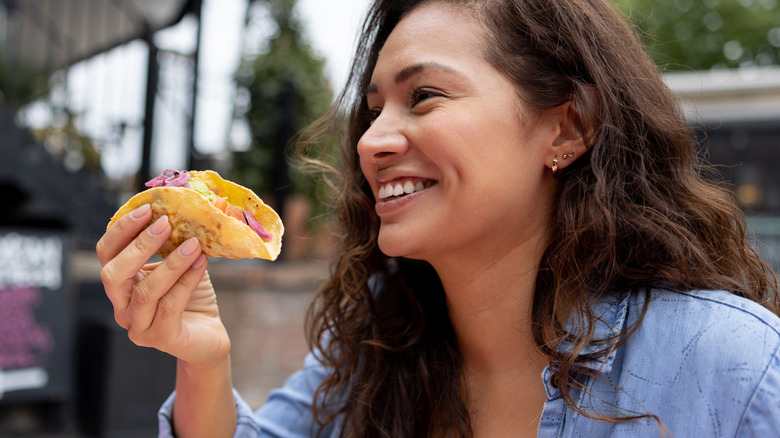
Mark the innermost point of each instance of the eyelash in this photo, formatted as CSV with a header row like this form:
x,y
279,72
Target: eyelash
x,y
371,114
414,95
414,98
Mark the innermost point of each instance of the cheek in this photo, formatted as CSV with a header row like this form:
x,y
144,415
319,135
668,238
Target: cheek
x,y
366,169
452,137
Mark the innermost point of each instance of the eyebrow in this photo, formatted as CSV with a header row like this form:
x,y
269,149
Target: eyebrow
x,y
409,71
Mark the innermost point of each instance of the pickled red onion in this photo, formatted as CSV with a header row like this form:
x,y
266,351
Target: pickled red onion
x,y
256,226
169,178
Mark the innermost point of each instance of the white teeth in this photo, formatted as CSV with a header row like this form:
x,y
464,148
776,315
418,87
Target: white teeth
x,y
388,190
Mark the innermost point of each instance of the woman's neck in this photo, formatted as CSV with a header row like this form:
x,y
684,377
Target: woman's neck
x,y
490,307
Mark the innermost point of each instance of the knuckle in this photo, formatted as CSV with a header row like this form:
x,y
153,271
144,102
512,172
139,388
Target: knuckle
x,y
121,319
174,266
140,336
146,338
176,262
122,224
137,338
166,306
141,294
100,247
139,244
187,281
107,274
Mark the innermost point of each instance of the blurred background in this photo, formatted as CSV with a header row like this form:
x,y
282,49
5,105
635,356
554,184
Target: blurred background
x,y
98,96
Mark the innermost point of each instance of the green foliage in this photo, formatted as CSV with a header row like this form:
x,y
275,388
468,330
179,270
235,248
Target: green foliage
x,y
67,143
285,80
702,34
21,83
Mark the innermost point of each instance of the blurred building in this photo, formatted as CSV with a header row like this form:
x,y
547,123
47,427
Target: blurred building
x,y
737,116
66,369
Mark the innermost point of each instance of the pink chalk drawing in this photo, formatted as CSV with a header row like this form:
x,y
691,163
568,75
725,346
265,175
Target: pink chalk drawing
x,y
23,340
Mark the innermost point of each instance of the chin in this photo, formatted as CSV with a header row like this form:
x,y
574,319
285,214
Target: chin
x,y
391,249
394,245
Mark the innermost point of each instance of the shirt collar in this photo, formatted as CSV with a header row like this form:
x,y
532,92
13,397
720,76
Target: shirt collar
x,y
610,313
610,318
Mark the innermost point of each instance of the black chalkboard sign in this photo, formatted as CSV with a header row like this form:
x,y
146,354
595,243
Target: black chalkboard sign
x,y
36,315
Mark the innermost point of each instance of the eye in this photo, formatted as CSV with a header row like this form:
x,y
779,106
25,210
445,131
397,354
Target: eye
x,y
420,94
371,115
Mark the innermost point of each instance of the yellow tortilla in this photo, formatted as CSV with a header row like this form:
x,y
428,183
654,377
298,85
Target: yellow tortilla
x,y
192,215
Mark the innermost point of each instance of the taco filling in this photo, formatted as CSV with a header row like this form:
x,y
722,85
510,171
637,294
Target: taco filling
x,y
182,178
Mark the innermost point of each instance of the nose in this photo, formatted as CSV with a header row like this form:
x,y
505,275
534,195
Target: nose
x,y
382,140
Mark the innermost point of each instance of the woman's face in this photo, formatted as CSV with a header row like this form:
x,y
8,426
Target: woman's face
x,y
455,160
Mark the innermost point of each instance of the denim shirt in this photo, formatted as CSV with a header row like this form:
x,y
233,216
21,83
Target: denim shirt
x,y
705,363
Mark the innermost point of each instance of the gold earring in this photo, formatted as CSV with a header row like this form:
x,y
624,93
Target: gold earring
x,y
569,155
555,165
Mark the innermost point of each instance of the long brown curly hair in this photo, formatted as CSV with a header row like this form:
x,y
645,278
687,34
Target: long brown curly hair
x,y
639,208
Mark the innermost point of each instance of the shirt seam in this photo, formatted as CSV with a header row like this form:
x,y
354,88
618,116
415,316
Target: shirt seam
x,y
693,294
775,357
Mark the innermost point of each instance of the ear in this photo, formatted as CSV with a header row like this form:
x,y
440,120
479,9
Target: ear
x,y
568,143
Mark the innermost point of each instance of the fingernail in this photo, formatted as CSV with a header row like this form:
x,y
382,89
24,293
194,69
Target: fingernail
x,y
199,262
187,248
159,225
140,211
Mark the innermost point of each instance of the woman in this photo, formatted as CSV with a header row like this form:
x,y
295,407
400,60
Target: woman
x,y
528,249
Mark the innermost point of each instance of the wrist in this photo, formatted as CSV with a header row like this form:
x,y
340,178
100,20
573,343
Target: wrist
x,y
210,356
216,367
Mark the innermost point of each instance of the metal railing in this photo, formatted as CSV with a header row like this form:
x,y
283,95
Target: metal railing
x,y
66,67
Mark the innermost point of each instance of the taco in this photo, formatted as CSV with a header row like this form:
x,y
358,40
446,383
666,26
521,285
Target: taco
x,y
229,220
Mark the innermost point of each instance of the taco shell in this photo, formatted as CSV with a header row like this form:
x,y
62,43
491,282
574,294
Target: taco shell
x,y
192,215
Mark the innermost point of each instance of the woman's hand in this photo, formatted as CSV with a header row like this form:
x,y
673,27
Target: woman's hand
x,y
170,305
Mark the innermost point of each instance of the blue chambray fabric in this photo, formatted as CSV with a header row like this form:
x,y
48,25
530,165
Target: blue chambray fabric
x,y
706,363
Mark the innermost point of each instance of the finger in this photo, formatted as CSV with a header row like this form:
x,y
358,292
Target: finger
x,y
124,230
120,309
168,318
121,272
145,297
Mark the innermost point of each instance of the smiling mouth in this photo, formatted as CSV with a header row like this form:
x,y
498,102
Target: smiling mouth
x,y
398,189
